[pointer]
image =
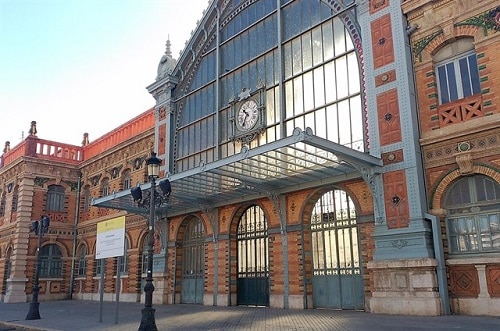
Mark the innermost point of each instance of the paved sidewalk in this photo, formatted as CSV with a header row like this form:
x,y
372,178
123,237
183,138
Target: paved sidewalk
x,y
76,315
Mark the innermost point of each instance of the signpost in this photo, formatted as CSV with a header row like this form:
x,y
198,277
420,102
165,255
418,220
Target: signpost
x,y
110,243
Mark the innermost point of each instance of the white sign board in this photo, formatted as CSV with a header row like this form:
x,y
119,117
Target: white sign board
x,y
110,238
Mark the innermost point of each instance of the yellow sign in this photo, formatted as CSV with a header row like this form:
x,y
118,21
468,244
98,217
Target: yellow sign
x,y
112,224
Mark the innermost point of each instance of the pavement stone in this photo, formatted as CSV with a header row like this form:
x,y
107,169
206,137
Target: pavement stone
x,y
79,315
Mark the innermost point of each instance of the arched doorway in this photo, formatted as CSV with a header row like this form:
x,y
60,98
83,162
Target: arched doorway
x,y
337,280
193,262
253,258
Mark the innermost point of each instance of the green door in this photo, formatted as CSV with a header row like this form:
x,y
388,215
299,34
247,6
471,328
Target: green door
x,y
253,270
337,280
193,262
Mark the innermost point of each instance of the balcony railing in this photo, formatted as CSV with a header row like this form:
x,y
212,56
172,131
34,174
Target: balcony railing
x,y
32,146
461,110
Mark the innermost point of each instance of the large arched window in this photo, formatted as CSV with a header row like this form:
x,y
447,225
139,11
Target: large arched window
x,y
473,215
55,198
50,261
307,78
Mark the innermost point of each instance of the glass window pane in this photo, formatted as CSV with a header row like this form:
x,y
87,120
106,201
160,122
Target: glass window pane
x,y
319,87
327,30
297,55
330,82
309,91
452,81
306,51
317,47
465,77
443,85
342,77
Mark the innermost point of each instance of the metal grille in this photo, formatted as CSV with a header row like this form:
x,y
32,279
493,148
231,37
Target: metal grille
x,y
193,254
334,235
252,244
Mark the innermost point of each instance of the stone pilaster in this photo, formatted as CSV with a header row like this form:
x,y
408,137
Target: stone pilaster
x,y
16,284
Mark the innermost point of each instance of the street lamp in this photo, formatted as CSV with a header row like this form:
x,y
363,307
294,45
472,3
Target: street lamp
x,y
153,199
39,228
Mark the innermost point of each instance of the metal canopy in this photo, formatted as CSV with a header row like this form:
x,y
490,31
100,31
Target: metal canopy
x,y
296,162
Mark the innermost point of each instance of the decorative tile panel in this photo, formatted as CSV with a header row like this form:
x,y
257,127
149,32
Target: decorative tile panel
x,y
388,117
396,199
376,5
385,78
464,281
382,41
493,280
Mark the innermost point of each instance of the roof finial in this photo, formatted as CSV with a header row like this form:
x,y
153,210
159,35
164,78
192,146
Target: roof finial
x,y
168,51
167,63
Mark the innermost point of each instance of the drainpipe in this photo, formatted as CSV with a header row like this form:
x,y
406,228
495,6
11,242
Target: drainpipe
x,y
441,268
75,236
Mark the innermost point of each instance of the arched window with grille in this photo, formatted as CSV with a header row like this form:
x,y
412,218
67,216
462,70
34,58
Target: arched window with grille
x,y
125,260
105,187
86,198
55,198
82,261
473,215
126,180
2,204
15,198
51,261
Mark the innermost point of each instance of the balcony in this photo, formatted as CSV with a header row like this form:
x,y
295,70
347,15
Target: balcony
x,y
42,149
460,111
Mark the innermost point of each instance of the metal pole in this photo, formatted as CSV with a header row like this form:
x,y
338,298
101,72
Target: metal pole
x,y
441,268
75,238
34,312
148,313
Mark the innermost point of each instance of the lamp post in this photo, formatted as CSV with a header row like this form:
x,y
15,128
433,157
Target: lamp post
x,y
39,228
148,322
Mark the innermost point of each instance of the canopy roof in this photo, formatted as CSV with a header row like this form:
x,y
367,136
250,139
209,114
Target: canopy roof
x,y
300,161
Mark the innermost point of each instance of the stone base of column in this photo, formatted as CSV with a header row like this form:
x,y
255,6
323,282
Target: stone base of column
x,y
16,290
407,287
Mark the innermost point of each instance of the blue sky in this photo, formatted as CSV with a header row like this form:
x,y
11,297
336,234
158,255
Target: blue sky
x,y
77,66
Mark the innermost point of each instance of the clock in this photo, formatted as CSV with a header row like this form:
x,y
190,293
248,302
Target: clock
x,y
248,115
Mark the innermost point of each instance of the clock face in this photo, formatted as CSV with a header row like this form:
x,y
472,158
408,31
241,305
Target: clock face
x,y
248,115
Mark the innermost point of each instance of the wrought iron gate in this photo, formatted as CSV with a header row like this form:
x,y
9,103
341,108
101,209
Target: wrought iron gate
x,y
193,262
253,270
337,280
